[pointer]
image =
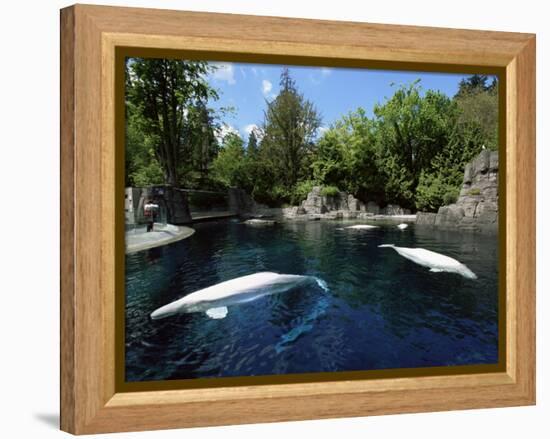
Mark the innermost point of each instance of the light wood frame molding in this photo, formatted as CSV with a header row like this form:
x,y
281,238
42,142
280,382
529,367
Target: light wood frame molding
x,y
89,38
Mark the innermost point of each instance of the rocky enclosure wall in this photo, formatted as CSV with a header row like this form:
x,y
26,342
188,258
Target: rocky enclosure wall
x,y
172,202
242,203
477,206
339,206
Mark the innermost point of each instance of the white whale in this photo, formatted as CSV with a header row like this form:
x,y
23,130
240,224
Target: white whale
x,y
436,262
361,227
214,300
402,226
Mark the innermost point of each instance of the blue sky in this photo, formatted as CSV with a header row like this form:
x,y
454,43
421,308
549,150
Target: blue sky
x,y
334,91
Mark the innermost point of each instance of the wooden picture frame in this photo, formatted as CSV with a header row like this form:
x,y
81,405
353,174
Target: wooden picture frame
x,y
91,402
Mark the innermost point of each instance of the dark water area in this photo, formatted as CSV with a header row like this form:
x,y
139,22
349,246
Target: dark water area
x,y
378,310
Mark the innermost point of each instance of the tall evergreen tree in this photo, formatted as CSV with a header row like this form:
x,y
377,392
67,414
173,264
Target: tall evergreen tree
x,y
201,143
252,146
476,84
289,130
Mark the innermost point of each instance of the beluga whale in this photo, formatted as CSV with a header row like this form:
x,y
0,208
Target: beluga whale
x,y
436,262
361,227
215,299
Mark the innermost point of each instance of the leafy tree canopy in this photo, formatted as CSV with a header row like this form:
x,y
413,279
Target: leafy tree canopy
x,y
411,151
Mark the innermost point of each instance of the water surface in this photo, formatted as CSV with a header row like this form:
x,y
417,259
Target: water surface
x,y
379,310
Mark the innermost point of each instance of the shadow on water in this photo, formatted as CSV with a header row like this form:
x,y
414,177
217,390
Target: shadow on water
x,y
379,311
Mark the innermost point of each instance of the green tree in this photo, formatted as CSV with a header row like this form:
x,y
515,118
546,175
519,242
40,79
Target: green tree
x,y
346,156
161,93
478,104
475,84
142,167
411,130
289,130
252,145
201,144
476,127
230,166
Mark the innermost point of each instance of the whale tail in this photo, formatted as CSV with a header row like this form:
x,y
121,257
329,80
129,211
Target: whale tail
x,y
386,245
303,325
322,284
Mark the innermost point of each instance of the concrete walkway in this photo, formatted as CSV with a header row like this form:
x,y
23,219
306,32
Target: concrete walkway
x,y
162,234
199,216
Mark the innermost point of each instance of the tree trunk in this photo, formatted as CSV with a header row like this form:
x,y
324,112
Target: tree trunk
x,y
171,175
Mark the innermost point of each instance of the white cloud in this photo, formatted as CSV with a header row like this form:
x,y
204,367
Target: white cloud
x,y
224,130
266,87
247,129
321,131
255,71
224,72
314,80
317,77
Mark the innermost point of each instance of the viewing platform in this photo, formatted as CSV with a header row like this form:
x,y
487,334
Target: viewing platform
x,y
138,239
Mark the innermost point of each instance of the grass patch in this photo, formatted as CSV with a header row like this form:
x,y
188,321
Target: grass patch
x,y
474,191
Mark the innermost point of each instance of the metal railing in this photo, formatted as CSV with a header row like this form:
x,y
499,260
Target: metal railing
x,y
201,201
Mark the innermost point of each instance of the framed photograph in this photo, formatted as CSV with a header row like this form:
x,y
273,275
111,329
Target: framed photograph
x,y
268,219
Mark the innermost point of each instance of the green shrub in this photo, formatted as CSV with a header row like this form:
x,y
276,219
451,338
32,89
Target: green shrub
x,y
450,197
274,196
330,191
300,191
433,192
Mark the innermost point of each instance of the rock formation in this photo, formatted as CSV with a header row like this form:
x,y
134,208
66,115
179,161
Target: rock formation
x,y
394,209
316,203
373,208
339,206
240,202
477,206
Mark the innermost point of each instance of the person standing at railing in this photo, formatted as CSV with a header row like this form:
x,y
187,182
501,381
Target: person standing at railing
x,y
150,211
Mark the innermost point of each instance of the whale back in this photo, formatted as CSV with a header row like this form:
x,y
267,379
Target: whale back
x,y
234,286
436,262
238,290
427,258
